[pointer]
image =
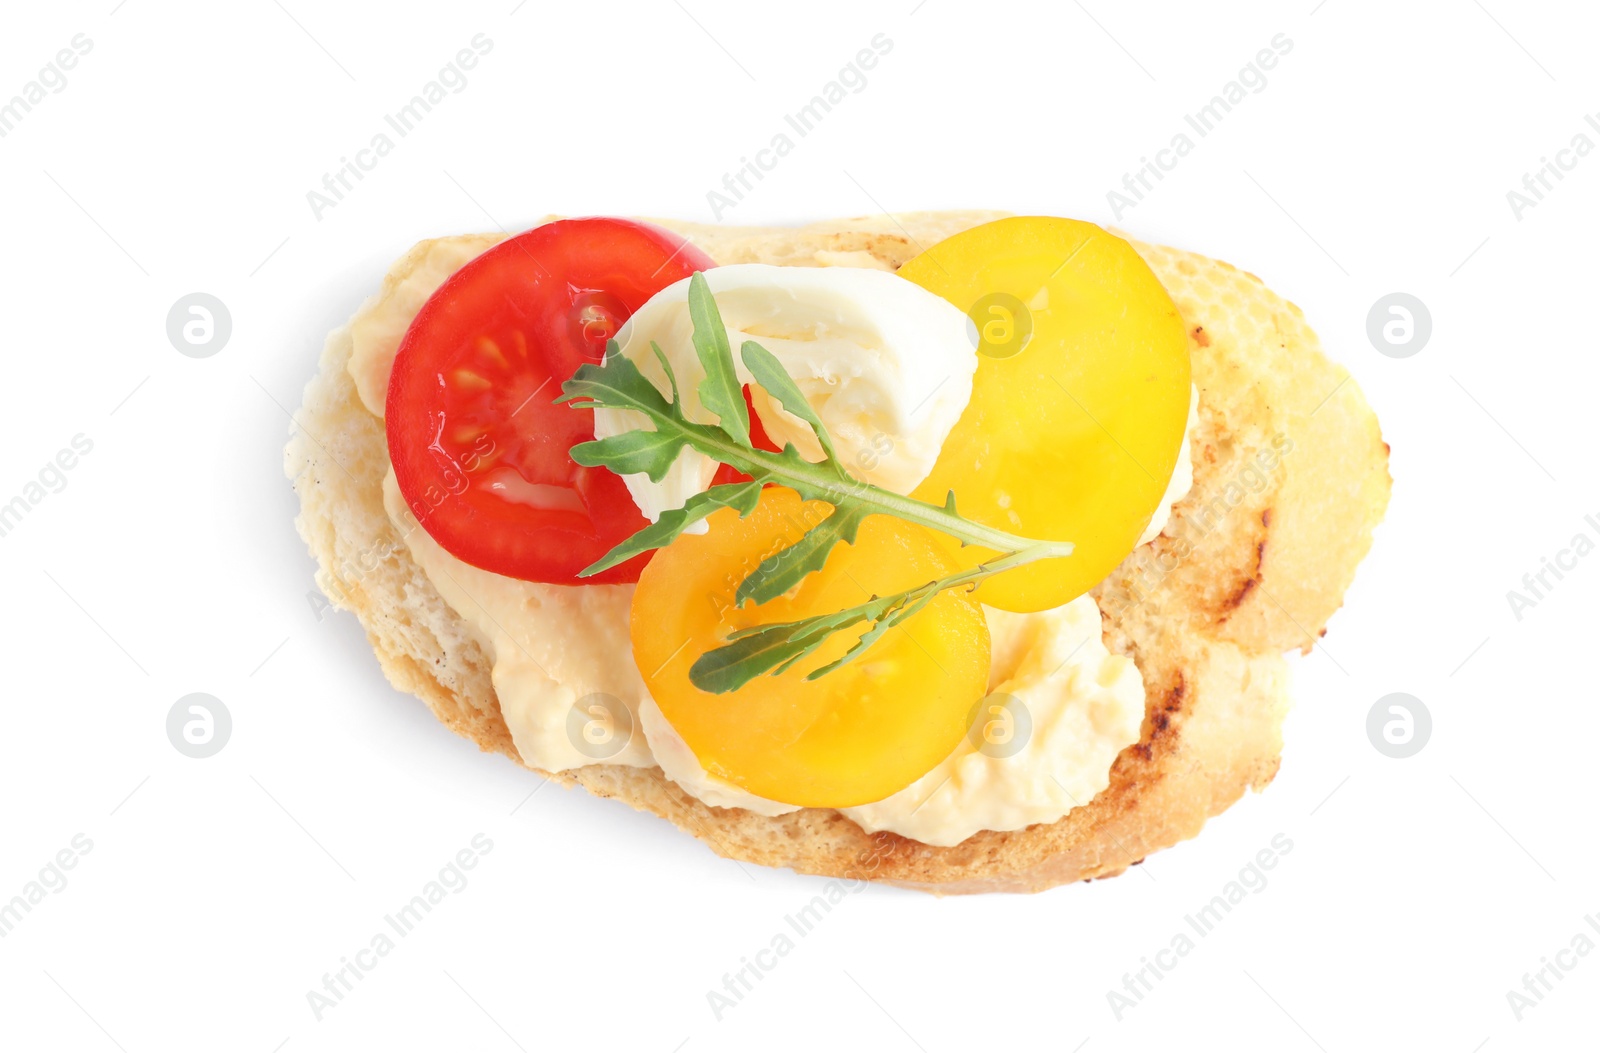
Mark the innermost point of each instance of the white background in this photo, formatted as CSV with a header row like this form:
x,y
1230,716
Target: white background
x,y
218,892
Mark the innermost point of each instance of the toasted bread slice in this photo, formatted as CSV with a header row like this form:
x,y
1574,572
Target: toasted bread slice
x,y
1290,478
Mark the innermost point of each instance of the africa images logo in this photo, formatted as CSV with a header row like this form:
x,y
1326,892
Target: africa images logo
x,y
1538,584
1540,182
52,77
451,80
1250,80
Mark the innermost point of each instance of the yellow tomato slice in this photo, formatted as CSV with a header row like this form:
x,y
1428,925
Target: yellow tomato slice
x,y
1078,405
854,736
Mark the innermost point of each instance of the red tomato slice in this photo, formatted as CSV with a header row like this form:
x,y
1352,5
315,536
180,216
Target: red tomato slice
x,y
726,473
479,447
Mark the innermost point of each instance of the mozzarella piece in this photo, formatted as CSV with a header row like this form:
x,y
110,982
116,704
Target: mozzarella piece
x,y
885,364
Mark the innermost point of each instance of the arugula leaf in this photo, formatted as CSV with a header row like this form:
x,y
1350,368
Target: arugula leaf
x,y
777,647
765,649
720,392
632,452
774,648
741,497
672,379
894,616
770,374
788,567
616,383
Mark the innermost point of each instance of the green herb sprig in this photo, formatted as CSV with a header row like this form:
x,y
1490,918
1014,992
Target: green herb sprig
x,y
617,384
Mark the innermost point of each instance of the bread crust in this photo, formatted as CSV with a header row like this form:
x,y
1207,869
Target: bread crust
x,y
1291,477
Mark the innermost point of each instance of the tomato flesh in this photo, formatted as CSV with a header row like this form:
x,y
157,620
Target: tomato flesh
x,y
856,735
1074,435
726,473
479,447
